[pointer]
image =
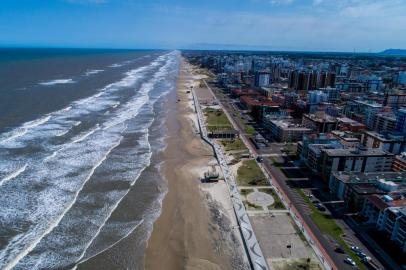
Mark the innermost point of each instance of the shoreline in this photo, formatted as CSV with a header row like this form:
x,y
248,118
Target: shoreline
x,y
194,230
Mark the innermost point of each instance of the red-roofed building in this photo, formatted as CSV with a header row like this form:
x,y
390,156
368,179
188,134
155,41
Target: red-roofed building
x,y
388,214
258,105
238,92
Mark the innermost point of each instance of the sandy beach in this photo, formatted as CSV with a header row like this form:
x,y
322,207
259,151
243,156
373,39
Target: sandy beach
x,y
195,230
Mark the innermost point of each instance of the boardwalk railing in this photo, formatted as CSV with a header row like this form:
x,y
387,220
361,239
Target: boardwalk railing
x,y
254,252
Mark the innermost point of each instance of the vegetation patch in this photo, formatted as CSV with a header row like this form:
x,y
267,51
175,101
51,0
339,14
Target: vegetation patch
x,y
233,145
216,119
296,264
277,205
251,206
244,192
290,149
250,174
328,225
250,130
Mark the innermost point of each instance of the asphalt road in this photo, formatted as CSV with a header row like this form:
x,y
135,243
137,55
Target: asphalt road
x,y
280,178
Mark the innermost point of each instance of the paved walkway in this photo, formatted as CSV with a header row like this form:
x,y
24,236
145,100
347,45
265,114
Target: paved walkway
x,y
257,259
260,199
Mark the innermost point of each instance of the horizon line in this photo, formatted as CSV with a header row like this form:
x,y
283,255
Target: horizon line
x,y
197,49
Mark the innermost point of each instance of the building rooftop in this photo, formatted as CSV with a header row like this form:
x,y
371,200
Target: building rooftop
x,y
369,103
366,188
345,136
387,137
258,101
402,156
332,145
346,120
357,152
288,124
321,118
359,177
378,202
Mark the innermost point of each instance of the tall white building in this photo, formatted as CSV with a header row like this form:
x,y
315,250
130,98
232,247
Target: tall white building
x,y
402,77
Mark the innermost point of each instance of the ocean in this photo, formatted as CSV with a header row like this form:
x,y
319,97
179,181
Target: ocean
x,y
81,137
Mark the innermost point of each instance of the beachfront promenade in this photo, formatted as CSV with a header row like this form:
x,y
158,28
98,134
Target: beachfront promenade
x,y
254,252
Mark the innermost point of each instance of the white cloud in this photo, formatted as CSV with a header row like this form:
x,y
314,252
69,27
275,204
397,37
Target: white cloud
x,y
373,8
281,2
86,1
332,25
317,2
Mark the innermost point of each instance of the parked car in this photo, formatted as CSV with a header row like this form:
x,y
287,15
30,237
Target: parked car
x,y
339,250
349,261
366,259
360,254
320,207
355,248
315,201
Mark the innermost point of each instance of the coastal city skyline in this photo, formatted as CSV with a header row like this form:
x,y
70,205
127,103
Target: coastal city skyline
x,y
282,25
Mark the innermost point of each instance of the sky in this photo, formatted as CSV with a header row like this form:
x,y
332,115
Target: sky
x,y
293,25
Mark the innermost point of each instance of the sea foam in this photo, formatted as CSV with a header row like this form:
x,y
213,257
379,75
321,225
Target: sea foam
x,y
55,82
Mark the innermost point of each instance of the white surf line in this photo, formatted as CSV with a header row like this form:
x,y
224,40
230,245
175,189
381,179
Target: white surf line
x,y
21,131
24,128
66,109
58,81
116,104
63,132
110,246
125,194
93,71
56,222
13,175
116,205
83,137
78,261
53,154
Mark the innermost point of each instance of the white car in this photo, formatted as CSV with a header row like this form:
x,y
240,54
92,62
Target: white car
x,y
366,259
349,261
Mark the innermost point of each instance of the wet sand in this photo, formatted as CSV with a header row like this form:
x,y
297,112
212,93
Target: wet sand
x,y
190,233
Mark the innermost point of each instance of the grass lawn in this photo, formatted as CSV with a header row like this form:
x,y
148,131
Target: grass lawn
x,y
328,225
216,119
249,130
245,192
250,206
249,174
277,205
296,264
290,149
233,145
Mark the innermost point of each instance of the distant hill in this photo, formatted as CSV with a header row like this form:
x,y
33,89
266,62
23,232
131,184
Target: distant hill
x,y
394,52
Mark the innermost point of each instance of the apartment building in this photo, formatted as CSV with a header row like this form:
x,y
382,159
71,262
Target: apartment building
x,y
320,122
388,214
354,187
285,130
399,163
391,143
355,160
